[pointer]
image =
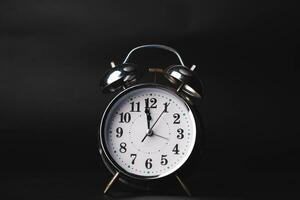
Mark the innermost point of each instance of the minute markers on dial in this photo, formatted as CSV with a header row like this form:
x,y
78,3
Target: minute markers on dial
x,y
160,145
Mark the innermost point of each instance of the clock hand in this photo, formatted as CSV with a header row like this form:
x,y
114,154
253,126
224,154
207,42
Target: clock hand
x,y
150,130
160,136
144,137
149,134
147,111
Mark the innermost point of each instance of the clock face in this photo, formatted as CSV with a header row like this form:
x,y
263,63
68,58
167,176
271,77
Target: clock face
x,y
148,132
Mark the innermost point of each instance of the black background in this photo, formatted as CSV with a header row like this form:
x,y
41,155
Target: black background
x,y
53,53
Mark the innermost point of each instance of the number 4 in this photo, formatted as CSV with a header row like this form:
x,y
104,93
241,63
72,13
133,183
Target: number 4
x,y
175,149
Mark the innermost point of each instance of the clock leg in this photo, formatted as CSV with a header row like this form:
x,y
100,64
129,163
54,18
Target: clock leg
x,y
112,180
185,188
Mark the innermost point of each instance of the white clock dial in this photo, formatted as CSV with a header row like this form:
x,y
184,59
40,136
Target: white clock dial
x,y
148,132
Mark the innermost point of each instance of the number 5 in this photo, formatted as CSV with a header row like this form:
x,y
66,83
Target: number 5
x,y
164,160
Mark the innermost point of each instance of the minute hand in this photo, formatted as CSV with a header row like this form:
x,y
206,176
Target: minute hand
x,y
149,131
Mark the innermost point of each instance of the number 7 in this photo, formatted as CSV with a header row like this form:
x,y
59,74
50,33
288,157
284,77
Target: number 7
x,y
134,157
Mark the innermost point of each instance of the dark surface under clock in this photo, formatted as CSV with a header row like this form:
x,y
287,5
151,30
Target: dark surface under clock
x,y
52,55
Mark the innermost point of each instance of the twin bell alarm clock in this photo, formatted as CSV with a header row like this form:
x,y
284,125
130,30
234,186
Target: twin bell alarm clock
x,y
149,131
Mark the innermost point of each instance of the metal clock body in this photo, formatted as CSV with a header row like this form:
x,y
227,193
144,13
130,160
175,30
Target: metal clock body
x,y
148,131
146,148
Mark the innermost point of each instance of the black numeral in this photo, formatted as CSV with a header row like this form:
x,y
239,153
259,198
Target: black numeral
x,y
125,117
164,160
175,149
134,157
166,106
153,102
119,131
148,163
176,117
135,107
180,133
123,147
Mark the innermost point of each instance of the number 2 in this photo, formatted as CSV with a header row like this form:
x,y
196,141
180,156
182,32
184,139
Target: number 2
x,y
176,117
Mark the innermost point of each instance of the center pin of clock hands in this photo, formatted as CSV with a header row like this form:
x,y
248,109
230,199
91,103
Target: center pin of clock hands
x,y
150,130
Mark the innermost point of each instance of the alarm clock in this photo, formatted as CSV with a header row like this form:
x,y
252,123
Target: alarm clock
x,y
149,131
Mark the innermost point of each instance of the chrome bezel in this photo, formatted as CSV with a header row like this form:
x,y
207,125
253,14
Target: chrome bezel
x,y
110,163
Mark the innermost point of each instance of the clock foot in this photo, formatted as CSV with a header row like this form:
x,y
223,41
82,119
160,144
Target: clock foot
x,y
185,188
112,180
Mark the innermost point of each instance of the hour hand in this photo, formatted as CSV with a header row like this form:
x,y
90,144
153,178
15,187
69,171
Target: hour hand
x,y
148,115
147,111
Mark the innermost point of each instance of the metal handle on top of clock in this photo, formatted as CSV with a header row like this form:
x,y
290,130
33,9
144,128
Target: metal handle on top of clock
x,y
158,46
126,74
176,73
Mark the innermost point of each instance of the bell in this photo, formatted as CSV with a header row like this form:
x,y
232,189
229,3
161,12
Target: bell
x,y
186,78
119,77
